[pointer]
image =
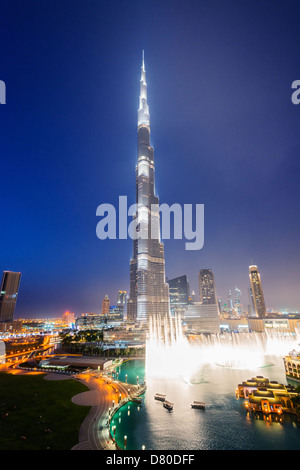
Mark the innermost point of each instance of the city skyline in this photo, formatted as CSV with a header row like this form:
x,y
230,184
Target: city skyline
x,y
224,130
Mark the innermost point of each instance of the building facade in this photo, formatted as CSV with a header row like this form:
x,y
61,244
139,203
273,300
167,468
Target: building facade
x,y
179,293
257,291
282,324
238,309
202,318
149,293
8,295
207,287
292,365
105,305
251,307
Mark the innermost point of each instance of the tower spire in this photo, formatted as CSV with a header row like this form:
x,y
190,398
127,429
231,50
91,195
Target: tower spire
x,y
143,111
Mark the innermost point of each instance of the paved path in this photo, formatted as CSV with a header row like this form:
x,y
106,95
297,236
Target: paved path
x,y
100,398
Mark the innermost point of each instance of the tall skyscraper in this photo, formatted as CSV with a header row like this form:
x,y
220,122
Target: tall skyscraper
x,y
229,302
179,293
207,287
8,295
220,305
238,302
251,307
121,297
149,293
257,292
105,305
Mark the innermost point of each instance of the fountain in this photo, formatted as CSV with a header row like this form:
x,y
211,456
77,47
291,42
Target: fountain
x,y
170,354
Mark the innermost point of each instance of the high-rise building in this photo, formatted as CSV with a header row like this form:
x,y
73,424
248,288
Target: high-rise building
x,y
121,297
105,305
149,293
120,308
258,296
68,317
220,305
8,295
179,293
238,302
229,302
251,307
207,287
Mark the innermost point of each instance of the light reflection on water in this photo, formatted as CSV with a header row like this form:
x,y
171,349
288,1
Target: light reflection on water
x,y
223,425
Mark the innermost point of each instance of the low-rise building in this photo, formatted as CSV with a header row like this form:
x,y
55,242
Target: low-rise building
x,y
292,365
133,336
263,395
282,323
12,327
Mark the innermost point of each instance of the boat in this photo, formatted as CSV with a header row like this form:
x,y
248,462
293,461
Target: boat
x,y
136,400
160,397
198,404
168,405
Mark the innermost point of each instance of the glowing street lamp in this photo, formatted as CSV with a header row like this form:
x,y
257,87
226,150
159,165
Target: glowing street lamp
x,y
125,442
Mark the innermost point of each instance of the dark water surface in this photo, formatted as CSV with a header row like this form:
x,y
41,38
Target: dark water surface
x,y
223,425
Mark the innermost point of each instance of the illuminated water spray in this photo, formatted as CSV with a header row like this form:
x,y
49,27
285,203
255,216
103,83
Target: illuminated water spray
x,y
170,354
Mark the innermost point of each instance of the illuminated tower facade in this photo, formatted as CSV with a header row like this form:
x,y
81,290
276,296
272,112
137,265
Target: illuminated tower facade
x,y
207,287
121,297
179,291
257,292
149,293
105,305
238,302
8,295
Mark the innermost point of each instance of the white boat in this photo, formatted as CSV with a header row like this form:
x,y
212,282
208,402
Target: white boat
x,y
198,404
160,397
168,405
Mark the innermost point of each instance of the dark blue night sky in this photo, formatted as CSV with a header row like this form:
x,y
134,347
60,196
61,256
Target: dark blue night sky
x,y
224,129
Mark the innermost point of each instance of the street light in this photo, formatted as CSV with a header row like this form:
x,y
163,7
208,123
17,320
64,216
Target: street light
x,y
143,447
125,442
126,378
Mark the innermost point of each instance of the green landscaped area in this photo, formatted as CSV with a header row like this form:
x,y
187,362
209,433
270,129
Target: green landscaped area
x,y
38,414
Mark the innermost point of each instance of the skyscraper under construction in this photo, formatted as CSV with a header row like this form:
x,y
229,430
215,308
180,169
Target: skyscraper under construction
x,y
149,293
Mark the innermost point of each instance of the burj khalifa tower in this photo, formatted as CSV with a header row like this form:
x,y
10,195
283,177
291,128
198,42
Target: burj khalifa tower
x,y
149,292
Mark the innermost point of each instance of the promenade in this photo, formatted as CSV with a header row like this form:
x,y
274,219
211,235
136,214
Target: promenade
x,y
104,394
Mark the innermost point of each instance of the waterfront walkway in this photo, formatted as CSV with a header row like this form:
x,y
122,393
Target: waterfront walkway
x,y
94,433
